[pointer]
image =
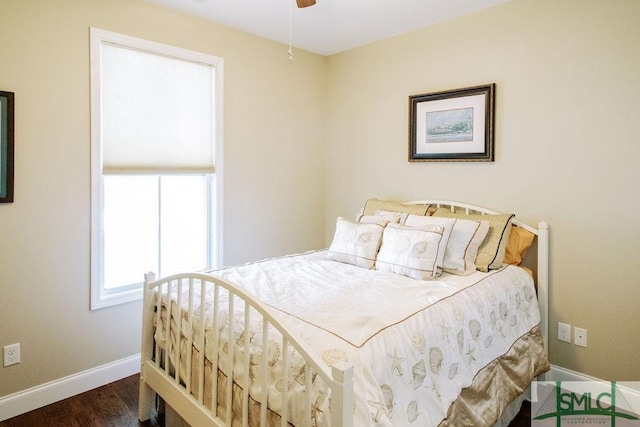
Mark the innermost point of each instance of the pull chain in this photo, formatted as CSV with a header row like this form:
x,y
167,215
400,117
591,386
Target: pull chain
x,y
290,31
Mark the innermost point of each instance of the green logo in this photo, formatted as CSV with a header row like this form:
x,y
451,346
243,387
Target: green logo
x,y
583,403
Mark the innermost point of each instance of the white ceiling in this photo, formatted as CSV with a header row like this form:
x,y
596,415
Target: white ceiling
x,y
331,26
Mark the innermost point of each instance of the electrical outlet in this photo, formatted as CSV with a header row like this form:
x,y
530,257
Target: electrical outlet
x,y
580,337
564,332
11,354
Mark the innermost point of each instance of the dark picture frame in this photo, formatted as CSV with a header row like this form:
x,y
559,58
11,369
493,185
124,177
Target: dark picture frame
x,y
6,146
452,125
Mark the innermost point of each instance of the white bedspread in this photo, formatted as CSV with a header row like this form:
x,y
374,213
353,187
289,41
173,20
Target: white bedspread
x,y
414,344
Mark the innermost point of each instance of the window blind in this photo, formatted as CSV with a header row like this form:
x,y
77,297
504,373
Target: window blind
x,y
156,113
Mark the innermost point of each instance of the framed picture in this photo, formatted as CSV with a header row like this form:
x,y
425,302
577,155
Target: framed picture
x,y
454,125
6,147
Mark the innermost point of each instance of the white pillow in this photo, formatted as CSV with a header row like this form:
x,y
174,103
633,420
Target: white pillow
x,y
462,248
491,252
376,219
410,251
429,222
397,217
391,216
356,243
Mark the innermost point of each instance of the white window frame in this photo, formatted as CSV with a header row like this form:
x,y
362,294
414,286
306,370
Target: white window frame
x,y
100,297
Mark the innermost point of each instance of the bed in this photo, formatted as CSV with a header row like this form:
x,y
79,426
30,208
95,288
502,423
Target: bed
x,y
419,313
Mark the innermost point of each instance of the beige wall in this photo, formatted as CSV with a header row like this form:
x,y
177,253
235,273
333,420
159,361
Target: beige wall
x,y
273,159
567,148
568,97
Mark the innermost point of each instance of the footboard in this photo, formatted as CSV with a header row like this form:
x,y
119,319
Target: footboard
x,y
208,351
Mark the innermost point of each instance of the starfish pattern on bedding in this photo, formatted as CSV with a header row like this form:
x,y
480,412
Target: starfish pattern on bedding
x,y
471,357
315,410
436,390
380,408
445,328
396,364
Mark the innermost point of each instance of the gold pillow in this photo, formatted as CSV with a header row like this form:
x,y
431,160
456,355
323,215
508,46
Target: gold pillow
x,y
519,241
373,205
491,252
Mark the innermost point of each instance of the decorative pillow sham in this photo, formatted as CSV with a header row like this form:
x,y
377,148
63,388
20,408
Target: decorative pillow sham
x,y
463,246
410,251
491,252
429,222
519,241
401,216
356,243
397,217
373,205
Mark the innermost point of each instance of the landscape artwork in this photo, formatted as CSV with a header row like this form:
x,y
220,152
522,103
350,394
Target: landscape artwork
x,y
450,126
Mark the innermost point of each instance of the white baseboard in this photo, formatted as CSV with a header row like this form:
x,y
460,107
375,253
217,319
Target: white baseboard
x,y
558,373
631,389
54,391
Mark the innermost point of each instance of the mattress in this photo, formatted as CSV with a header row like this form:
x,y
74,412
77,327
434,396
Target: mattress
x,y
416,346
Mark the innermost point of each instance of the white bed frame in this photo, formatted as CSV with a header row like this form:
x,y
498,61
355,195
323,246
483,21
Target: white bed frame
x,y
159,378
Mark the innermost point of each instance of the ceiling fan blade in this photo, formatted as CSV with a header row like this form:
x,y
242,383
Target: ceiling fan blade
x,y
305,3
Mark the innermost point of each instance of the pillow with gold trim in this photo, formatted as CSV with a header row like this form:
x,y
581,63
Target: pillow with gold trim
x,y
356,243
410,252
397,217
371,206
428,222
491,252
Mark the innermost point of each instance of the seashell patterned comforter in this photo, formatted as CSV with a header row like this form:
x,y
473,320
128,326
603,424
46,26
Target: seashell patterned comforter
x,y
425,353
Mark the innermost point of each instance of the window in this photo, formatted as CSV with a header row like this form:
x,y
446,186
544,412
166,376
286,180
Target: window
x,y
156,166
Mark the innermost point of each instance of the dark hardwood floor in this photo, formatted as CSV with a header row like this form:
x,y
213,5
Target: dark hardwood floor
x,y
116,405
523,419
112,405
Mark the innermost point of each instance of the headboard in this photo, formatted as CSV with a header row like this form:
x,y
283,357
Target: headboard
x,y
536,259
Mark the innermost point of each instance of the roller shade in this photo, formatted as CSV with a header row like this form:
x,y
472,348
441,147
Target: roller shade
x,y
156,113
